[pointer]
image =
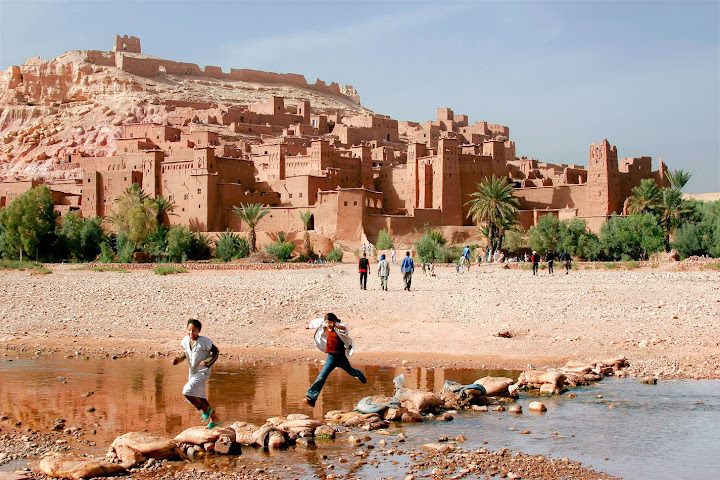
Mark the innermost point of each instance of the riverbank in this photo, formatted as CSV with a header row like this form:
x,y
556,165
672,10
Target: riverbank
x,y
665,323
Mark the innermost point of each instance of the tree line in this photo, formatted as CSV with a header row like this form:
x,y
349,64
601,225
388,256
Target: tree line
x,y
136,230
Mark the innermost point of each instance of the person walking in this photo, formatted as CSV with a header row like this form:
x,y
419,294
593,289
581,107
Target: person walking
x,y
550,259
565,259
383,272
393,255
407,267
466,257
535,259
363,268
333,338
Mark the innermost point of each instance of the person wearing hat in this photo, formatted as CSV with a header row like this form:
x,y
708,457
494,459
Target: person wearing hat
x,y
383,272
535,259
333,338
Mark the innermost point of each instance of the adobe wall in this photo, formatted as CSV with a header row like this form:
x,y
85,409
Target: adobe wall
x,y
561,196
9,191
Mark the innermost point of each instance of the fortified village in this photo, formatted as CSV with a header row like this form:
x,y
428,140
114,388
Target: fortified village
x,y
88,124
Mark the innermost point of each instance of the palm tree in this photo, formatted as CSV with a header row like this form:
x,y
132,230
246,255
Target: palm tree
x,y
163,207
134,214
306,217
678,178
494,204
645,197
671,211
251,214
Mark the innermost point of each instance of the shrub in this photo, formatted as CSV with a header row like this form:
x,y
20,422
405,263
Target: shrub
x,y
34,267
169,270
179,243
28,225
82,237
335,255
431,247
156,243
281,249
631,265
199,247
635,237
384,240
516,241
229,246
107,255
125,248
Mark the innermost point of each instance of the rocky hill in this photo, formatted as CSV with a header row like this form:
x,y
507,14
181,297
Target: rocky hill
x,y
77,102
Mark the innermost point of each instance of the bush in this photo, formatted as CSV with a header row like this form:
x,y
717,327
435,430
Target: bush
x,y
384,240
634,237
281,249
516,241
107,255
156,243
34,267
82,237
335,255
169,270
28,225
703,236
431,247
199,247
125,248
229,246
179,243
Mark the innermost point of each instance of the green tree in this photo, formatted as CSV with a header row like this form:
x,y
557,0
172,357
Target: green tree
x,y
251,214
701,235
494,204
545,236
671,213
28,225
645,198
578,240
384,240
516,240
82,237
306,218
678,178
135,214
634,237
199,247
431,246
179,243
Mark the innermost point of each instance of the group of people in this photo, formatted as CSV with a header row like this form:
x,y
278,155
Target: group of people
x,y
331,337
407,268
550,257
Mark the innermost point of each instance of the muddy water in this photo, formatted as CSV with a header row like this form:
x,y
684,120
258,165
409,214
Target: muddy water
x,y
635,431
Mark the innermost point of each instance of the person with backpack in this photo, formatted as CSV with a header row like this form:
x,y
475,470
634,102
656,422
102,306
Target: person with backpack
x,y
535,259
363,268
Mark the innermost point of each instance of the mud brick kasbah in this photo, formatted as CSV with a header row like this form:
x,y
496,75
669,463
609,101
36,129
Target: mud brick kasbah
x,y
90,123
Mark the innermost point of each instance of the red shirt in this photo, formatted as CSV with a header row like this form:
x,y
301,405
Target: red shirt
x,y
334,344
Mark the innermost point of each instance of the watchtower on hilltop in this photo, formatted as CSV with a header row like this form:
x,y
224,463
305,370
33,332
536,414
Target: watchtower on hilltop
x,y
127,44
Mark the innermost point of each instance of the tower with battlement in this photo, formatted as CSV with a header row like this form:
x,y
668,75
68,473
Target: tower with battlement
x,y
127,44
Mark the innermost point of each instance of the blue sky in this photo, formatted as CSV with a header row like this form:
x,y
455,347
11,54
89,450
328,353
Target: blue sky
x,y
645,75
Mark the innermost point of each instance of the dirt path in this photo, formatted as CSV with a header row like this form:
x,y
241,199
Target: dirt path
x,y
666,323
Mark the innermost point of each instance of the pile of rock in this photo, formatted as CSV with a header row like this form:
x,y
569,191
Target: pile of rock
x,y
571,375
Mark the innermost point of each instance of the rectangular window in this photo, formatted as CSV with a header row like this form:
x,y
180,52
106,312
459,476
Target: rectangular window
x,y
345,204
199,191
355,204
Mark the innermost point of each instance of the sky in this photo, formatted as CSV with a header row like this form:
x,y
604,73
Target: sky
x,y
643,74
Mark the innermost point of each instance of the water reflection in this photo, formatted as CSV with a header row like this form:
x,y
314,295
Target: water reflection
x,y
138,394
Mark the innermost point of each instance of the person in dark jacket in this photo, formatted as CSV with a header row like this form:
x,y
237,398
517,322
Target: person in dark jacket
x,y
364,268
550,259
565,259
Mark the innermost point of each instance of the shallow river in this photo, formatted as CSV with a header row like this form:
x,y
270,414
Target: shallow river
x,y
669,430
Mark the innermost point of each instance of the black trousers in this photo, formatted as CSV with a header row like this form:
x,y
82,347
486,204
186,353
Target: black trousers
x,y
363,280
550,266
535,268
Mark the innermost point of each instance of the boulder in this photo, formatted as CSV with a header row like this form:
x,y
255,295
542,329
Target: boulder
x,y
411,417
244,432
549,389
201,435
495,386
395,414
72,466
535,378
297,416
276,440
438,447
325,432
261,436
299,426
136,447
537,407
226,445
419,400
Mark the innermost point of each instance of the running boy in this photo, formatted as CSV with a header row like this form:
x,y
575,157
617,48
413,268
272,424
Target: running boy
x,y
332,338
201,354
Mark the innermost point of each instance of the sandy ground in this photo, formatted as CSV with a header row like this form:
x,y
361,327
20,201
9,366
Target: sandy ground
x,y
665,323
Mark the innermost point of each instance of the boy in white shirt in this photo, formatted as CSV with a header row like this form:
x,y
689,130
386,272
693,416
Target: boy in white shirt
x,y
201,354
